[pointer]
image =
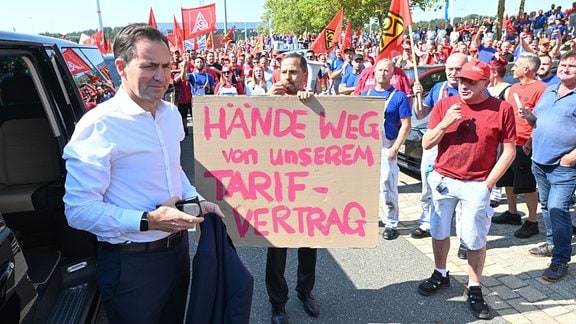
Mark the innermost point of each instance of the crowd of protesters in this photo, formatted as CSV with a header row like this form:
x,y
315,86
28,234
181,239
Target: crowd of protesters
x,y
475,60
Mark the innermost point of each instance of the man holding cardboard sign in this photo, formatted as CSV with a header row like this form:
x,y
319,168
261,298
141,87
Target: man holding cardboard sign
x,y
293,77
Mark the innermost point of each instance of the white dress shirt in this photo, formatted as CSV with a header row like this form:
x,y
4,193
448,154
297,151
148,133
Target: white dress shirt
x,y
121,161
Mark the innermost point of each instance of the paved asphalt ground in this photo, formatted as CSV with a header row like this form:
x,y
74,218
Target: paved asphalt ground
x,y
379,285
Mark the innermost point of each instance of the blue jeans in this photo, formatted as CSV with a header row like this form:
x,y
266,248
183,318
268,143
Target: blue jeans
x,y
556,185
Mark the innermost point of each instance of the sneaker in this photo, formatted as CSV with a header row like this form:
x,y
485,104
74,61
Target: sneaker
x,y
543,250
527,230
494,203
478,307
462,252
419,233
555,272
507,218
390,233
434,283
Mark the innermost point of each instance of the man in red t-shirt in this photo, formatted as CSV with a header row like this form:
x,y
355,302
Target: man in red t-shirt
x,y
467,129
519,178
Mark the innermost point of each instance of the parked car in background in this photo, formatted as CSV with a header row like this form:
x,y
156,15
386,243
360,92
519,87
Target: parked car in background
x,y
46,267
410,153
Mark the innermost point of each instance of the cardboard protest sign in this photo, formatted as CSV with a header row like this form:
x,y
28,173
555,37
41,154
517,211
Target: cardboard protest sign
x,y
288,173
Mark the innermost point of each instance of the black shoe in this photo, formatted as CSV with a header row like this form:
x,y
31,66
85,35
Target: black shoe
x,y
279,315
527,230
390,234
478,306
494,203
507,218
419,233
311,306
462,252
434,283
381,224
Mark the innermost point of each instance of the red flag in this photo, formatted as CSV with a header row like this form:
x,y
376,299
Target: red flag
x,y
210,42
198,21
152,19
75,63
347,42
259,45
396,24
177,35
229,36
359,32
330,36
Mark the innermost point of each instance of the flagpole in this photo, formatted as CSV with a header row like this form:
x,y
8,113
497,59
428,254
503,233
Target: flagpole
x,y
225,17
100,26
415,66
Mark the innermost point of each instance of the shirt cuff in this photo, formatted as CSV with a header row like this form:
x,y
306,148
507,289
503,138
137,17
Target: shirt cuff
x,y
130,221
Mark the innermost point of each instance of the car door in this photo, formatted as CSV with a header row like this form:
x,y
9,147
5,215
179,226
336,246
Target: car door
x,y
46,267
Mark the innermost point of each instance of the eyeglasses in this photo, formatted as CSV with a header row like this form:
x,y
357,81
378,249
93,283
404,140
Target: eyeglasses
x,y
226,72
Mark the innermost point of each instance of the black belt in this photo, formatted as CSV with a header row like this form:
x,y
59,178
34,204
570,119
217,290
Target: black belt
x,y
165,243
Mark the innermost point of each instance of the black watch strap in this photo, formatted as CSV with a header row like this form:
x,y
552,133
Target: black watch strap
x,y
144,222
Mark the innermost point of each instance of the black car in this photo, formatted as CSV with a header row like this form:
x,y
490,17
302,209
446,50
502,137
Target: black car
x,y
46,267
410,153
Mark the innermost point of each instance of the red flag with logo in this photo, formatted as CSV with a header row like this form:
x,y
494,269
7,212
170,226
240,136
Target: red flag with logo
x,y
228,37
198,21
75,63
396,24
259,45
330,36
347,42
152,19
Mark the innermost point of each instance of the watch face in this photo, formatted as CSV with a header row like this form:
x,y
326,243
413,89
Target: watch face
x,y
144,222
191,209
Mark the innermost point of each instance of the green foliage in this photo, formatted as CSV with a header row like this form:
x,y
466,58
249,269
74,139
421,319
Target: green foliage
x,y
287,16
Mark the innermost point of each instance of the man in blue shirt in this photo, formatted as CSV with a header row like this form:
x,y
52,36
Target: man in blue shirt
x,y
201,82
397,125
554,160
350,79
545,71
486,50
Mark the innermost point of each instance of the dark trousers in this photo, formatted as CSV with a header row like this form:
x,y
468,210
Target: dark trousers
x,y
184,110
145,287
275,267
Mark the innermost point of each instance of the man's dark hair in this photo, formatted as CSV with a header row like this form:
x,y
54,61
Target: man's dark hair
x,y
301,59
125,43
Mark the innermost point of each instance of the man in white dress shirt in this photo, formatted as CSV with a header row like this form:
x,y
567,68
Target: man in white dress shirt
x,y
123,161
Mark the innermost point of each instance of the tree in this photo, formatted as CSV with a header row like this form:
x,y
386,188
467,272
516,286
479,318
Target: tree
x,y
312,15
500,17
521,8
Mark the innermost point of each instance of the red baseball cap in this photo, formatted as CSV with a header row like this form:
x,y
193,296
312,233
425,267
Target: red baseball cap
x,y
474,70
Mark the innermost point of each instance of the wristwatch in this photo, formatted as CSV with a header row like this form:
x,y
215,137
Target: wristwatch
x,y
144,222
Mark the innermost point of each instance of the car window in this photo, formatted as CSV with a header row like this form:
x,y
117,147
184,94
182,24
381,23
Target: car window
x,y
429,80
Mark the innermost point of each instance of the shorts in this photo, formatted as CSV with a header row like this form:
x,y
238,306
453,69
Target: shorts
x,y
519,175
475,219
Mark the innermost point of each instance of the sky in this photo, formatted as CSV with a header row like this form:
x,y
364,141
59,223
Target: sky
x,y
66,16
